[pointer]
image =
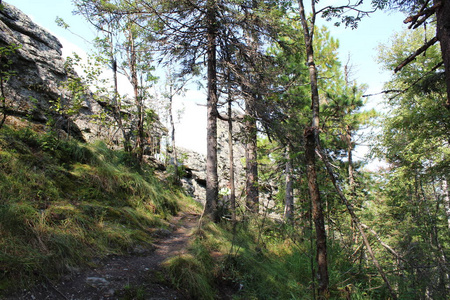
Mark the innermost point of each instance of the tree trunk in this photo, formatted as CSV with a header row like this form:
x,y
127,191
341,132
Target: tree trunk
x,y
3,99
137,97
312,137
251,98
445,188
289,197
231,161
358,224
317,215
251,170
351,176
443,35
212,181
172,124
116,103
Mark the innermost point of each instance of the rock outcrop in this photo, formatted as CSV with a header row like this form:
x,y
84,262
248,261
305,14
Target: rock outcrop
x,y
195,164
37,76
37,81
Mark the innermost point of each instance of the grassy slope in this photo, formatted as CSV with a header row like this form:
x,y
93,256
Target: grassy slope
x,y
62,203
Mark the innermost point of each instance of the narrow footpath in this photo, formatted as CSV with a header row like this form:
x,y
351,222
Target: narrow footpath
x,y
135,276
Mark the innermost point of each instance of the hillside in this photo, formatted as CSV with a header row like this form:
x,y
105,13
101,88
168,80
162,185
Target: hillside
x,y
64,204
97,201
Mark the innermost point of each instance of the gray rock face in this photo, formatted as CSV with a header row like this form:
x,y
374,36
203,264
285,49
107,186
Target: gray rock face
x,y
195,164
38,76
195,180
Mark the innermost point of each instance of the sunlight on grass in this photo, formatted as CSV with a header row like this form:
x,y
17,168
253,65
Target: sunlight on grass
x,y
63,203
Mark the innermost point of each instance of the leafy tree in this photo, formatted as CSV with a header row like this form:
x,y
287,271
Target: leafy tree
x,y
125,37
107,46
414,141
422,11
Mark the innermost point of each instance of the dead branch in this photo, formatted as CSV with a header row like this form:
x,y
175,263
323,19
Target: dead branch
x,y
418,80
389,248
424,13
383,92
416,53
355,219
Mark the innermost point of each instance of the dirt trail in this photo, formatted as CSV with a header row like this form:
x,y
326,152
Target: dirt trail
x,y
137,276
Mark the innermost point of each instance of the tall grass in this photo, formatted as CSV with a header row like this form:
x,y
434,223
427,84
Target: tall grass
x,y
273,265
62,203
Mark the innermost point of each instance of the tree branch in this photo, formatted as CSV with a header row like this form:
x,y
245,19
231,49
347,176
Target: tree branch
x,y
355,219
414,20
415,82
389,248
416,53
383,92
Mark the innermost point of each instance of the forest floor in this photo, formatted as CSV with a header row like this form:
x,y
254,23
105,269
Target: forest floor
x,y
139,275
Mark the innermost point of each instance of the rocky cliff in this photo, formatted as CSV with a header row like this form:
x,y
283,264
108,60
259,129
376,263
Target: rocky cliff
x,y
37,74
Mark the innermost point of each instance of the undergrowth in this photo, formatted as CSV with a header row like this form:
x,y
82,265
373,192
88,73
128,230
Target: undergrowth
x,y
249,265
63,203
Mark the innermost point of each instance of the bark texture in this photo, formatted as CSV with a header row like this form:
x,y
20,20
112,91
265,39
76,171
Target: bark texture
x,y
443,35
252,188
312,137
212,187
289,197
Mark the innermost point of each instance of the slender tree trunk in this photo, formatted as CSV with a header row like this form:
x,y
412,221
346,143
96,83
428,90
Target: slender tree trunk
x,y
312,138
445,188
172,125
3,99
252,187
351,179
137,97
251,99
289,197
116,102
231,161
212,181
443,35
351,176
317,215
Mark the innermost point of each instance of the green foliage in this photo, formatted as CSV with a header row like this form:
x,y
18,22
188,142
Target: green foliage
x,y
273,265
133,293
195,271
191,275
63,203
410,206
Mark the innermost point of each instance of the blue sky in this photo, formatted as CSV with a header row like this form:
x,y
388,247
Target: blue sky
x,y
360,44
